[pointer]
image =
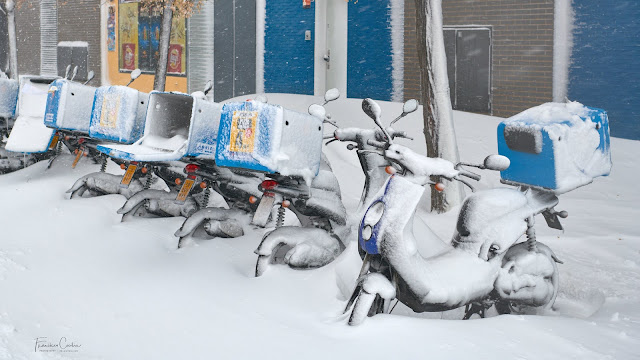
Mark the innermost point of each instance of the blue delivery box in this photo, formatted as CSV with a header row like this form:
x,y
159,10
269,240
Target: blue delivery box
x,y
69,106
269,138
118,114
555,146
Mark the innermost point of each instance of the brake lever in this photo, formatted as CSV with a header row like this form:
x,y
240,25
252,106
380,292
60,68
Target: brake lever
x,y
464,182
470,175
377,144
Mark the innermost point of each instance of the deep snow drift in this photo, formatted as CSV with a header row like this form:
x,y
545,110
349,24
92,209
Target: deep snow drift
x,y
70,268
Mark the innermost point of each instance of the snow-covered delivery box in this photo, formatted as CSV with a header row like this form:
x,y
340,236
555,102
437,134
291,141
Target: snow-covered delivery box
x,y
269,138
119,114
175,124
556,146
8,97
69,106
29,134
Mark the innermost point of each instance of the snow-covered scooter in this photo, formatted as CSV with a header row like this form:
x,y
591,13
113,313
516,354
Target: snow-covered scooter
x,y
483,265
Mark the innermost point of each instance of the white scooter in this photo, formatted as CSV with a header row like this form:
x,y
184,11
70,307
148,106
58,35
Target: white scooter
x,y
483,266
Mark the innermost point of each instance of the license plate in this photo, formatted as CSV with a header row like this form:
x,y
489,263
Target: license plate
x,y
78,156
128,176
184,190
261,216
54,142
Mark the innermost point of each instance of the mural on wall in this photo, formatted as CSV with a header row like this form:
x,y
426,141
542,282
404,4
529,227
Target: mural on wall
x,y
139,37
111,29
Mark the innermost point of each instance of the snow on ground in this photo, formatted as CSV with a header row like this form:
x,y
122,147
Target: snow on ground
x,y
70,268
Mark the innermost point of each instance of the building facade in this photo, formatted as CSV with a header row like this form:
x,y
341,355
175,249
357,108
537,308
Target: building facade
x,y
52,34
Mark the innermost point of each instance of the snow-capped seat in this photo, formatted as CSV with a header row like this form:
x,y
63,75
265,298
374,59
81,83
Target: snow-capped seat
x,y
69,106
176,125
118,114
29,134
555,146
269,138
8,97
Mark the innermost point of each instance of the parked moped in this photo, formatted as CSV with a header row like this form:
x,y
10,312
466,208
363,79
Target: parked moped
x,y
483,266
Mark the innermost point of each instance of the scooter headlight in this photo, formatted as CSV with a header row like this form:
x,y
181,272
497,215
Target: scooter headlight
x,y
374,213
366,232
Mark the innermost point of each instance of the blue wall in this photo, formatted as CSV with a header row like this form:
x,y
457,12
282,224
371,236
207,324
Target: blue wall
x,y
288,57
605,68
369,50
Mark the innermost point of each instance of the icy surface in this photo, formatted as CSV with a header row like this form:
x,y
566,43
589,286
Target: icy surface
x,y
83,274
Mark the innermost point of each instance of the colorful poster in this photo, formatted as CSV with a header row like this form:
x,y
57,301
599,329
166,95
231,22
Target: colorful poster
x,y
128,35
144,40
111,29
129,56
156,21
139,39
179,38
174,60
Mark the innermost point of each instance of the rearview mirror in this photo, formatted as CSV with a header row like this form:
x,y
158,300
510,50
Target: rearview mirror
x,y
134,75
409,106
371,108
497,162
317,111
90,77
75,72
208,87
331,94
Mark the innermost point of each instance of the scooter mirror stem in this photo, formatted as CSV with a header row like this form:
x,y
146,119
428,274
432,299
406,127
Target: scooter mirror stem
x,y
89,77
75,72
208,87
134,75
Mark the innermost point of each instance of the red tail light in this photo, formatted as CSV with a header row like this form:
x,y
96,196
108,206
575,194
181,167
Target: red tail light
x,y
191,168
269,184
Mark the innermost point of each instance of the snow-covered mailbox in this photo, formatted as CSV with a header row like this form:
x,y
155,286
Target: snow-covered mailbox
x,y
269,138
8,97
29,134
555,146
176,125
118,114
69,106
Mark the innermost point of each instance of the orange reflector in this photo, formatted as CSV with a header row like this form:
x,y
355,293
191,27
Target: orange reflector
x,y
144,170
390,170
86,153
67,137
439,186
122,166
75,151
203,185
253,199
286,203
178,181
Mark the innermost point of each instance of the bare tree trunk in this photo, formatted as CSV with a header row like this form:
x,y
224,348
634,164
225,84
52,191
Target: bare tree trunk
x,y
10,7
165,36
437,112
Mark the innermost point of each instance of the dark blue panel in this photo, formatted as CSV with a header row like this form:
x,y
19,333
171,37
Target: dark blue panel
x,y
288,57
369,50
605,70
